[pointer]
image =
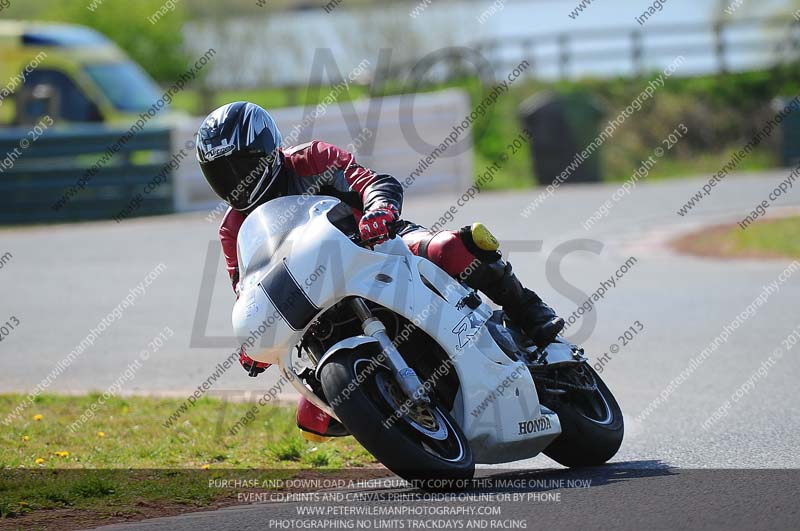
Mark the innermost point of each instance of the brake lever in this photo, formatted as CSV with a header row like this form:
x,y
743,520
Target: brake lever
x,y
368,242
356,238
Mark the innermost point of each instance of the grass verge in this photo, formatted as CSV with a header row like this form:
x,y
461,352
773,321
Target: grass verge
x,y
772,238
123,460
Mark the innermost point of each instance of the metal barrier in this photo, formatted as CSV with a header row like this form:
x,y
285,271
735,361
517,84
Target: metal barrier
x,y
84,173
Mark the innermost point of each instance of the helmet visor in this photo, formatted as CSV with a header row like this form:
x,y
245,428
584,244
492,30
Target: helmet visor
x,y
242,180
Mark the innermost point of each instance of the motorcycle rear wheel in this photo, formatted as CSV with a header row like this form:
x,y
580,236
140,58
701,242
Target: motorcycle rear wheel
x,y
420,445
592,427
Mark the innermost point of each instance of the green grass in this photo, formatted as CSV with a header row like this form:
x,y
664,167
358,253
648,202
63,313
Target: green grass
x,y
288,450
778,236
763,239
125,456
514,174
705,164
133,435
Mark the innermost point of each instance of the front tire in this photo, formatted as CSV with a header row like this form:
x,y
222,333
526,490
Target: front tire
x,y
591,422
424,443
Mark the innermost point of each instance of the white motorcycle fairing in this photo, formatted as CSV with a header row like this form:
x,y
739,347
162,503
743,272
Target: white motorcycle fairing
x,y
295,264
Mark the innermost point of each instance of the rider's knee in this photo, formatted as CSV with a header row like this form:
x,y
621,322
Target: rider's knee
x,y
480,242
447,250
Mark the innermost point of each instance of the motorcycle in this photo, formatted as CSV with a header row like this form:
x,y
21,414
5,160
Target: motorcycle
x,y
424,374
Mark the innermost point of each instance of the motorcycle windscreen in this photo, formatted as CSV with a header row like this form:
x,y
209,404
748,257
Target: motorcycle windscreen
x,y
270,225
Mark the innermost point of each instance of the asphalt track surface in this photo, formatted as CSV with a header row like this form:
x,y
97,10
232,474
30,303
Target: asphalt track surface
x,y
617,498
62,280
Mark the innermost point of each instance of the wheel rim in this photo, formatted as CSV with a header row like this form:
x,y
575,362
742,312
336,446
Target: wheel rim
x,y
425,425
421,417
606,417
586,397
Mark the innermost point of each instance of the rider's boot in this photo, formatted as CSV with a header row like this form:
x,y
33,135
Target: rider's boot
x,y
316,425
524,307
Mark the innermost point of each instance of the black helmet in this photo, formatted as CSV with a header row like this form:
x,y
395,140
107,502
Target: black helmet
x,y
237,147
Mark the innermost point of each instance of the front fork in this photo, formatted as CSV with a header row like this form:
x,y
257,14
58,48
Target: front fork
x,y
408,380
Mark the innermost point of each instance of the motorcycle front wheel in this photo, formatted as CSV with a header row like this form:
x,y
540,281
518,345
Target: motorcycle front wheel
x,y
420,443
591,420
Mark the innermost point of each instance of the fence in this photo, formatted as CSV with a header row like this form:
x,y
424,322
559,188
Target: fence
x,y
43,171
727,45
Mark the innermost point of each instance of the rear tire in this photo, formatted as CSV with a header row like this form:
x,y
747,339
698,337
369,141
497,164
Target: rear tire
x,y
591,425
419,445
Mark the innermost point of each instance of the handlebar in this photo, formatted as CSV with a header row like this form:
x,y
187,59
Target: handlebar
x,y
369,242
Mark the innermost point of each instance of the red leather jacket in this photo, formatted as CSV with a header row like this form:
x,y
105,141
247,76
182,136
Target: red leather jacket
x,y
320,169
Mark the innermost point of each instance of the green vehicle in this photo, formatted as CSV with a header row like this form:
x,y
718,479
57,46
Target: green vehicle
x,y
71,73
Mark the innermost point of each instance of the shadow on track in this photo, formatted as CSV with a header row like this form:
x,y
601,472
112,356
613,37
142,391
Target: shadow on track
x,y
541,480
